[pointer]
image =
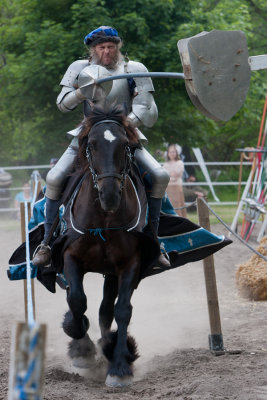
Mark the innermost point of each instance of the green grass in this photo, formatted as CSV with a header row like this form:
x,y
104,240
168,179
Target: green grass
x,y
226,213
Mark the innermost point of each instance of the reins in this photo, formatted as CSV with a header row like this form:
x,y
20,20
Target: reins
x,y
96,177
98,231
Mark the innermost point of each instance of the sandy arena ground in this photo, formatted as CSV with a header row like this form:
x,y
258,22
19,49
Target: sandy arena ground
x,y
171,325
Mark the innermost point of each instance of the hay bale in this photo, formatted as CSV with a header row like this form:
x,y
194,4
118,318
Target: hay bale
x,y
251,277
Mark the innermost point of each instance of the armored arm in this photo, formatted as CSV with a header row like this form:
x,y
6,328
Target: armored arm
x,y
70,95
144,109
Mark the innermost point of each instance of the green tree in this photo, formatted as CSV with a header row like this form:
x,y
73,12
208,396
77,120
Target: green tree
x,y
40,38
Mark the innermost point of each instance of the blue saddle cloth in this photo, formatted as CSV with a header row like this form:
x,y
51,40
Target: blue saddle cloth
x,y
183,240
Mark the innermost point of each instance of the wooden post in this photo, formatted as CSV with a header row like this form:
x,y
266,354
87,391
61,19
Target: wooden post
x,y
23,238
215,337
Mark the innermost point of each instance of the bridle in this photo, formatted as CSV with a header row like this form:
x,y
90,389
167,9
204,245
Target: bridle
x,y
127,166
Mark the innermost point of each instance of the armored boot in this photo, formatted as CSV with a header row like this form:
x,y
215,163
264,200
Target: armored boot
x,y
42,256
154,206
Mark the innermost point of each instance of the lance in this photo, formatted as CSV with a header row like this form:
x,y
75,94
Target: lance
x,y
216,71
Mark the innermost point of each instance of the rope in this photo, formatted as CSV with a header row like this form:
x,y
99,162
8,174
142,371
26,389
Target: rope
x,y
194,203
98,231
235,234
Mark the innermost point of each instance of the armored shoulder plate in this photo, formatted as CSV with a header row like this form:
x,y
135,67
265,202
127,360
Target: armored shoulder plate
x,y
143,104
71,75
69,83
142,84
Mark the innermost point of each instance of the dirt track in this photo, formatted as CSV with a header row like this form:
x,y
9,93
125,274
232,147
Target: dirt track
x,y
171,326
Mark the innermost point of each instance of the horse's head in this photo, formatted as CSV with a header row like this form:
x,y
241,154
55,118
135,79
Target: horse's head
x,y
105,142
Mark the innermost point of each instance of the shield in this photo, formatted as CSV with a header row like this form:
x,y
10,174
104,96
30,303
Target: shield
x,y
217,72
86,82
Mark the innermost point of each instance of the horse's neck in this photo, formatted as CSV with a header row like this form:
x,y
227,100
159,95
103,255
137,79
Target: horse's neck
x,y
129,206
88,214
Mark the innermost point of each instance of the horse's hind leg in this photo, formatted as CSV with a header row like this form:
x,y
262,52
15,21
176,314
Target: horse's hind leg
x,y
106,310
75,323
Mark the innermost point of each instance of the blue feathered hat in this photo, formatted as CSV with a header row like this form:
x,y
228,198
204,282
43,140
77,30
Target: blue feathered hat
x,y
101,35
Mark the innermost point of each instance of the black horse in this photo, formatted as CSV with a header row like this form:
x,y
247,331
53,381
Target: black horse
x,y
102,232
103,212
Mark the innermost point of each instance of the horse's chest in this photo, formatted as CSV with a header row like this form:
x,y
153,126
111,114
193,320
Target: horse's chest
x,y
105,253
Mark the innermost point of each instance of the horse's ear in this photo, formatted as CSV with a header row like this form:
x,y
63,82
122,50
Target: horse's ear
x,y
132,134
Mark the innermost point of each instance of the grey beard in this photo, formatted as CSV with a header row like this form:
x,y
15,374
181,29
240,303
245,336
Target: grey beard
x,y
117,59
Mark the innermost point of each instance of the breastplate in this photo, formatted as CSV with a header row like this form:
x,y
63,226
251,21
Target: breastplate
x,y
119,94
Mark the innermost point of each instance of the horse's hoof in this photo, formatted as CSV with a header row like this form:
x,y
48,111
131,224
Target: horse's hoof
x,y
118,381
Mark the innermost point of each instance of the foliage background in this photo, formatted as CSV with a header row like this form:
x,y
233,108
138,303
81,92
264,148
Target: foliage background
x,y
40,38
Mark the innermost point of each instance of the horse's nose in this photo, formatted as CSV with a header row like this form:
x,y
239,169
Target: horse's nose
x,y
110,199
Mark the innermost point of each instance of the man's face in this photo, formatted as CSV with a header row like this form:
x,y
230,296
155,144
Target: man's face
x,y
106,54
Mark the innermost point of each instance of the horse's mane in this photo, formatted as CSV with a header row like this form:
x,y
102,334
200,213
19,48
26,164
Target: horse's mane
x,y
98,114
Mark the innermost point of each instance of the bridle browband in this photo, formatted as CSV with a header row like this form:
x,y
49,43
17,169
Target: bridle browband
x,y
128,160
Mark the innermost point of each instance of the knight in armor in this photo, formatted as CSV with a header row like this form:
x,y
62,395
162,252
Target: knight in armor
x,y
136,95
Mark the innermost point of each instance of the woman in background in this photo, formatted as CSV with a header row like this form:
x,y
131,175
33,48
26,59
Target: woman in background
x,y
175,167
24,195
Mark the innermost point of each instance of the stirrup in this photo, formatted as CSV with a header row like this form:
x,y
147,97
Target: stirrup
x,y
164,252
162,263
39,248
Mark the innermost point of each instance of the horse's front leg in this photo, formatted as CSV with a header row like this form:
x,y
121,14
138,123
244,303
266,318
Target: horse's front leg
x,y
81,349
122,352
75,323
106,310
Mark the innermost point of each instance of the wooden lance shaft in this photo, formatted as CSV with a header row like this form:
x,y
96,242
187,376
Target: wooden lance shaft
x,y
215,338
23,238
